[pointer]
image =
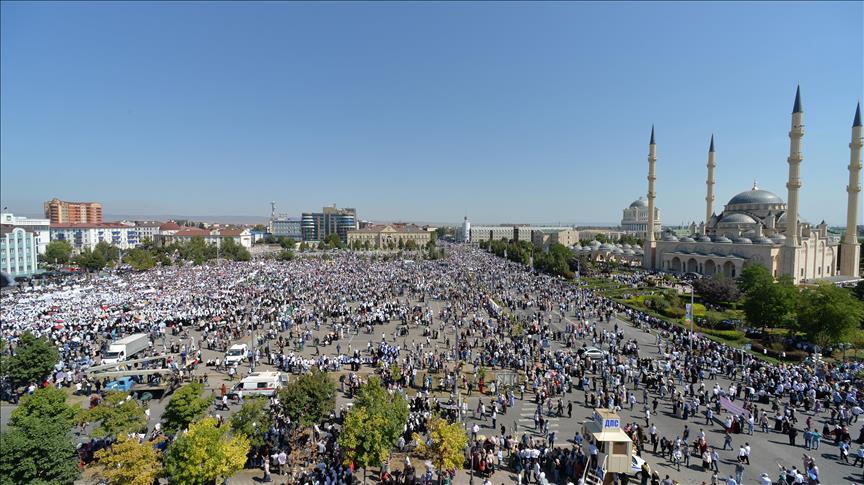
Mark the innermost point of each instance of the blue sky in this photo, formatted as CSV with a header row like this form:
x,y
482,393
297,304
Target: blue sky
x,y
509,112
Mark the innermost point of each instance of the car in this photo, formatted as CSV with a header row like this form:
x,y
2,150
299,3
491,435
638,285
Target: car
x,y
636,463
236,354
594,353
123,384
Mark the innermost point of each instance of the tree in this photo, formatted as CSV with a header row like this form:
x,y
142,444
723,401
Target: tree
x,y
286,243
58,252
303,247
205,454
233,251
140,259
828,314
445,445
108,251
771,304
717,290
129,462
754,275
858,290
308,399
285,255
374,425
91,260
117,416
321,245
253,419
333,241
186,406
36,446
33,359
410,245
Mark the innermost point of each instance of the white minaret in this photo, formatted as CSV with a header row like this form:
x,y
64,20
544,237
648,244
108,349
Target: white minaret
x,y
850,250
709,196
648,258
466,230
793,185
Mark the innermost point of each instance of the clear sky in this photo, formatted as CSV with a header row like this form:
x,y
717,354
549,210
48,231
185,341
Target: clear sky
x,y
509,112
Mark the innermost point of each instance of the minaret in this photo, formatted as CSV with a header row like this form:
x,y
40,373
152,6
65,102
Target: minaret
x,y
648,258
709,197
850,250
793,185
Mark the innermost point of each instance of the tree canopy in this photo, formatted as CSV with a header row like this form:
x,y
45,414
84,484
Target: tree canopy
x,y
828,315
253,419
205,454
186,406
445,445
717,290
308,399
373,425
116,416
768,303
128,462
58,252
33,360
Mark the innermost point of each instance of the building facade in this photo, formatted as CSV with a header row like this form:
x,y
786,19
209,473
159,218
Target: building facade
x,y
508,232
85,237
381,236
18,251
757,226
316,226
287,227
62,212
183,235
635,218
41,228
546,238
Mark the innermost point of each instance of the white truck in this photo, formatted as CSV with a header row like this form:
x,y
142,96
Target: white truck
x,y
125,348
259,384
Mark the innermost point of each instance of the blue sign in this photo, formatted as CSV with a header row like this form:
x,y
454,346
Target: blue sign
x,y
612,423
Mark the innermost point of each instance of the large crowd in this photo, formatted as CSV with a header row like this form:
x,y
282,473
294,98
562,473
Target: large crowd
x,y
489,313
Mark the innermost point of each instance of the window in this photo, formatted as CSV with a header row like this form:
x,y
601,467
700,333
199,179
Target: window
x,y
619,448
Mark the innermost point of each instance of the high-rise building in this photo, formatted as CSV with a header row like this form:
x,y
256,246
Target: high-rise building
x,y
316,226
62,212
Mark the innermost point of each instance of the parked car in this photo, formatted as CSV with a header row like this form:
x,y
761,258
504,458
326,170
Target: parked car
x,y
594,353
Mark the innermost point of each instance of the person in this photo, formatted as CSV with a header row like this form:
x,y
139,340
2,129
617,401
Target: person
x,y
739,472
765,479
859,457
731,481
793,433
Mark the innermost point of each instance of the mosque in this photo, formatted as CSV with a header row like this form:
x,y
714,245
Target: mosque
x,y
757,226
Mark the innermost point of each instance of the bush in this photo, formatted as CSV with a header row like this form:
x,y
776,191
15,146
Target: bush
x,y
791,355
731,336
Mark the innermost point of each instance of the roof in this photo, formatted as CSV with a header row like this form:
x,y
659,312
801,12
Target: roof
x,y
640,202
87,225
232,232
857,121
652,135
755,196
797,107
711,148
400,228
169,226
192,232
611,435
8,228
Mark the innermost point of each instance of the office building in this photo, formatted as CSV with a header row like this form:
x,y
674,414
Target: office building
x,y
286,227
62,212
316,226
18,251
41,228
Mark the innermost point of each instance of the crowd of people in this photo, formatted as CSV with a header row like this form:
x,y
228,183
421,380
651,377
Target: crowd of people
x,y
455,319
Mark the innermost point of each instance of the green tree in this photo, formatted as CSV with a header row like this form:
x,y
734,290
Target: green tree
x,y
771,304
754,275
828,315
445,446
186,406
308,399
253,419
33,360
718,289
140,259
858,290
233,251
206,454
286,243
373,425
128,462
303,247
410,245
285,255
91,260
109,252
333,241
322,245
58,252
117,416
37,447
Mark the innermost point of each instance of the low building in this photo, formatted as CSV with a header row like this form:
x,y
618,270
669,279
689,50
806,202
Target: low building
x,y
85,237
548,237
380,236
183,235
610,234
18,251
41,228
521,232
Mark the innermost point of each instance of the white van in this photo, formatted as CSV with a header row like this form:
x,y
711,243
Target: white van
x,y
236,354
260,384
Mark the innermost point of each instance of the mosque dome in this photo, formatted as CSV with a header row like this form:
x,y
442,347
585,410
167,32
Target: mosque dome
x,y
778,238
737,218
722,240
755,196
703,238
640,202
670,237
762,240
687,239
742,240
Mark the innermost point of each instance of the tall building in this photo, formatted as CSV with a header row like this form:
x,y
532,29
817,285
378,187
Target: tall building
x,y
316,226
635,218
62,212
757,226
286,227
86,236
41,228
17,251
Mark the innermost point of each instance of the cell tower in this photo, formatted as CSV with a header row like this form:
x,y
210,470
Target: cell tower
x,y
272,210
